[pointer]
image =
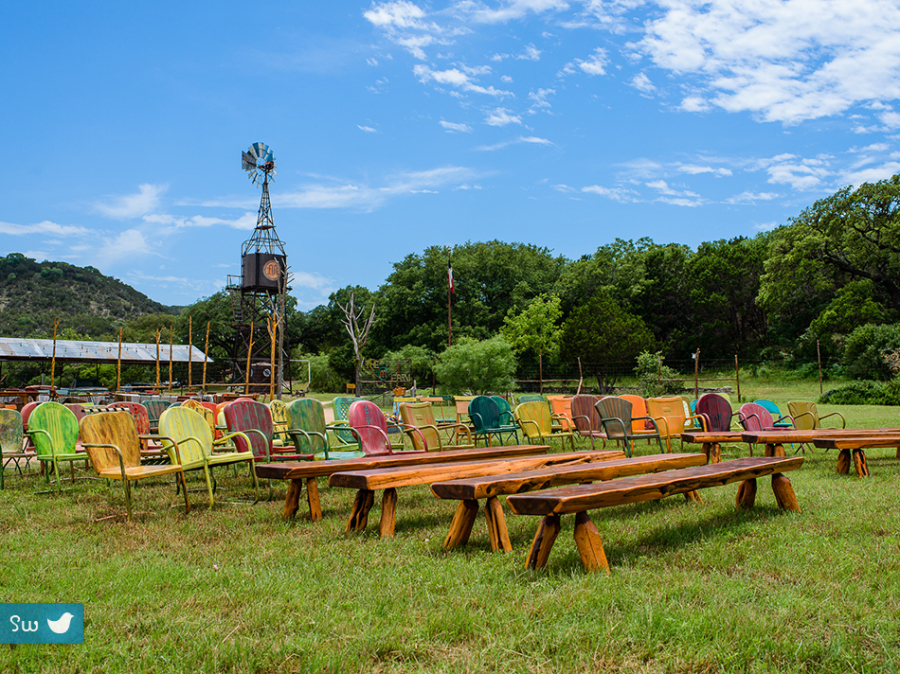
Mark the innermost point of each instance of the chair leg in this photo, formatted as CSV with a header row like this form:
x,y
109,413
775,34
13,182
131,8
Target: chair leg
x,y
127,486
209,488
255,482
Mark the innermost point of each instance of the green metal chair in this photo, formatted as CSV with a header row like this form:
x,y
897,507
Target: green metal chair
x,y
11,436
486,417
53,428
307,424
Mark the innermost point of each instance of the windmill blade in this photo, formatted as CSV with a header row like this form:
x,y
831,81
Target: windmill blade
x,y
269,155
259,149
247,161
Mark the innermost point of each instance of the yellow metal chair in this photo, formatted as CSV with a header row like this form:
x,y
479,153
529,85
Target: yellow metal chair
x,y
438,437
536,421
670,418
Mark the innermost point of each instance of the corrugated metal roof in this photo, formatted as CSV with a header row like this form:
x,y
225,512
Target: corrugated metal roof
x,y
12,348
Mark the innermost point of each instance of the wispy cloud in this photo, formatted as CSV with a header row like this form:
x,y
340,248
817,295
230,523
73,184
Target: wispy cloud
x,y
456,78
502,117
620,194
146,200
453,127
367,129
129,244
533,140
45,227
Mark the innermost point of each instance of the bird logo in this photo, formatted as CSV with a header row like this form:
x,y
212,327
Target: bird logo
x,y
61,626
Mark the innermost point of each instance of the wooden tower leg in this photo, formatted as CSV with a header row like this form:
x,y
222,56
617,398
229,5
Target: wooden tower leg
x,y
461,525
543,542
590,547
496,524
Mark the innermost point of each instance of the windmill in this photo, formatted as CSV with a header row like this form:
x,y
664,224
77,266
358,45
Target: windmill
x,y
260,291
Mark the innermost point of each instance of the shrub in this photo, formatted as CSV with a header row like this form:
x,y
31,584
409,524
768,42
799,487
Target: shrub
x,y
869,350
477,366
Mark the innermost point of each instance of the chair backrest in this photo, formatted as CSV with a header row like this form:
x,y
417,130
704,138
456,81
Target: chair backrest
x,y
561,406
717,411
280,415
308,414
244,415
671,410
27,409
10,432
638,409
342,413
538,413
806,415
615,414
421,415
770,407
506,413
155,408
141,417
208,415
585,416
60,423
462,406
531,398
755,417
374,439
484,413
111,428
181,423
77,409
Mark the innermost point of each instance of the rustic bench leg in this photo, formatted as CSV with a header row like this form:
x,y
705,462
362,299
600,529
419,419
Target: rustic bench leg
x,y
388,513
843,462
713,452
746,495
693,495
496,524
312,498
784,493
292,501
461,525
776,449
543,542
359,516
590,547
859,461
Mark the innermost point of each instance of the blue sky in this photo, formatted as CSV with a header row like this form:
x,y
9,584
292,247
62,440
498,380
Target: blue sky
x,y
399,125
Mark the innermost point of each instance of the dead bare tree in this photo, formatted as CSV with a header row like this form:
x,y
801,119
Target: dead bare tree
x,y
359,336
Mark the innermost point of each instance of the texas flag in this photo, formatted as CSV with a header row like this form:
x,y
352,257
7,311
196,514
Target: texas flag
x,y
450,275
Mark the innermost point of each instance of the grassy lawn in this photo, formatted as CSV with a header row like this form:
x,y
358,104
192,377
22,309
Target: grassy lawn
x,y
694,587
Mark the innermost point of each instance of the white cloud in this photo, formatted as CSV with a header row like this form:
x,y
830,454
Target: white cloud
x,y
46,227
693,169
593,65
502,117
509,9
399,14
367,129
620,194
642,83
695,104
801,174
870,175
784,61
453,127
133,205
539,98
129,244
455,78
752,197
765,226
532,140
372,61
245,222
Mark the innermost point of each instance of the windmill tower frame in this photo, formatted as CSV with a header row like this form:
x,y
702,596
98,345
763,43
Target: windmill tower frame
x,y
260,292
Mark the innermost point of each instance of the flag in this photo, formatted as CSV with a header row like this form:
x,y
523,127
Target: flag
x,y
450,275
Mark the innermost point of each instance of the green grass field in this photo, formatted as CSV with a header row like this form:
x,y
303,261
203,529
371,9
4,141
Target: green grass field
x,y
694,587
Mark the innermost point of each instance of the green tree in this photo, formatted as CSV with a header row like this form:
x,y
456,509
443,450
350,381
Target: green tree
x,y
606,338
535,329
479,367
871,351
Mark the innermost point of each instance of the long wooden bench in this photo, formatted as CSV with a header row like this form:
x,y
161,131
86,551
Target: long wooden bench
x,y
366,482
553,503
297,472
775,440
856,444
468,490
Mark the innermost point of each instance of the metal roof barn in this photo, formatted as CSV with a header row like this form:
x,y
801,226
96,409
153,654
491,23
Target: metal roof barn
x,y
12,348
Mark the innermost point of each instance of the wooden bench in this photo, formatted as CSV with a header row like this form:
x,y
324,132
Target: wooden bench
x,y
366,482
297,472
712,441
775,440
578,500
468,490
857,444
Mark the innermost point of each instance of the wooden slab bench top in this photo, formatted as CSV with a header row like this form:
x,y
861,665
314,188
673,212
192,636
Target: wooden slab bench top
x,y
390,479
298,471
579,499
469,490
854,445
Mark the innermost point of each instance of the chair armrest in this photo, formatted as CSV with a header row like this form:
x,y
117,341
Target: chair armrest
x,y
224,438
838,414
115,448
665,423
652,420
32,432
264,439
704,420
